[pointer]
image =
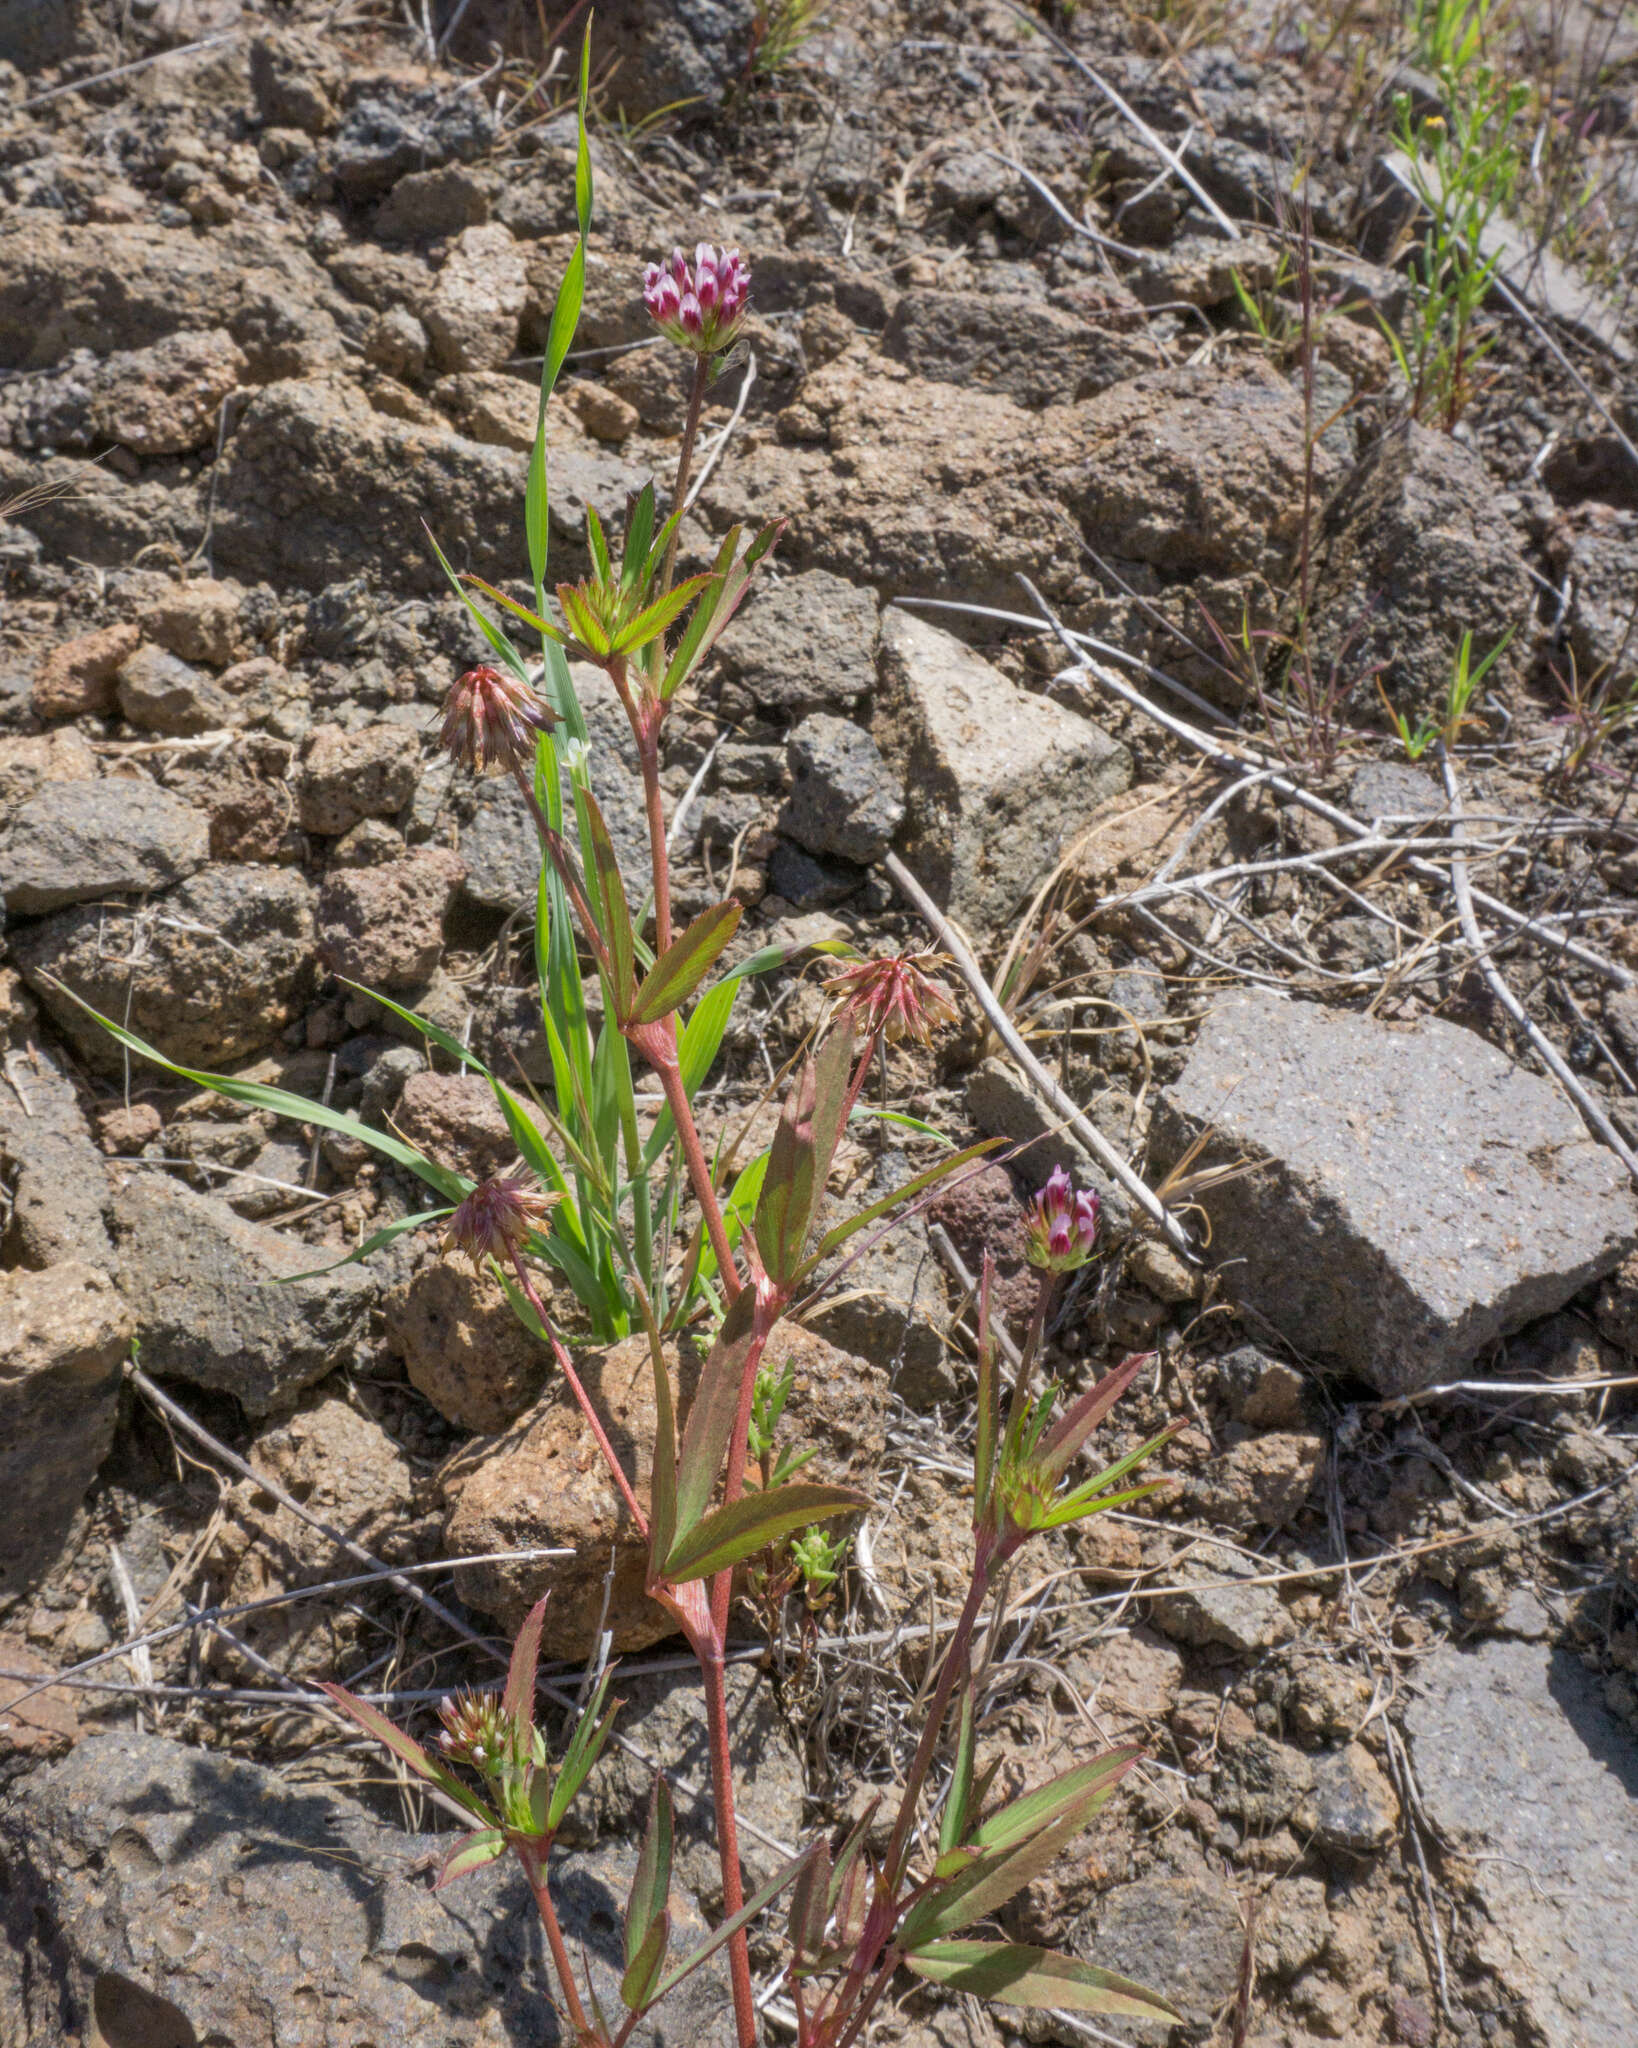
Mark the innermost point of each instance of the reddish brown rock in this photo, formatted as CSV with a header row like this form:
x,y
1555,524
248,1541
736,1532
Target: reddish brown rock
x,y
384,927
456,1119
43,1725
463,1347
342,776
82,675
543,1483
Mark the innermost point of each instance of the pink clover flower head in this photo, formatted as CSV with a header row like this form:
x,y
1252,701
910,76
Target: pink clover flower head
x,y
491,720
699,305
495,1220
1062,1225
475,1730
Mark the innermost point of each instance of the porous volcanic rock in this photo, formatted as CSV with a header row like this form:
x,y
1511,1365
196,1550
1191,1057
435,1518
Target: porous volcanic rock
x,y
213,1301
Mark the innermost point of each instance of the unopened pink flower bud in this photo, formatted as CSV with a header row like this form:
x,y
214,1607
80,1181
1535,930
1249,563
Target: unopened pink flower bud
x,y
1062,1225
701,306
495,1220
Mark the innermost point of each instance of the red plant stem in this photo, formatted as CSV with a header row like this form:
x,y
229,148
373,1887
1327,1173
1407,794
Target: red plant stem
x,y
534,1868
648,756
722,1784
955,1662
566,1367
663,1059
685,462
868,2003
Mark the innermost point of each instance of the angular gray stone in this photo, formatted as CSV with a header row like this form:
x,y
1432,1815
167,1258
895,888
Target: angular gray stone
x,y
266,1912
162,693
218,976
63,1334
1180,1936
1210,1608
1260,1781
1423,1195
997,782
344,777
805,644
844,799
204,1289
117,835
1352,1807
1010,343
1519,1761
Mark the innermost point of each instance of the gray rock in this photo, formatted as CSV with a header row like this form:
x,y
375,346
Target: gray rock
x,y
162,693
250,1904
672,50
1351,1807
1180,1936
119,835
844,799
387,132
1517,1758
316,486
1003,1105
344,777
1206,1610
1423,1198
1010,344
996,781
383,927
54,1171
809,884
63,1334
204,1288
1261,1782
1419,551
891,1302
218,976
805,644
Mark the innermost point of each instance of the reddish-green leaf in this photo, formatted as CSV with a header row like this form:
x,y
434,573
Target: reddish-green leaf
x,y
711,1419
583,621
685,963
751,1523
652,622
1009,1973
799,1158
522,611
407,1749
471,1852
988,1884
651,1880
954,1821
1078,1421
518,1701
810,1905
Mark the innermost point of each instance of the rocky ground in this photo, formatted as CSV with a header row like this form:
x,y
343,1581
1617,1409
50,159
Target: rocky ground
x,y
273,283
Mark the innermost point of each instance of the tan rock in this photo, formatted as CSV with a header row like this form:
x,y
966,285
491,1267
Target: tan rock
x,y
1262,1482
45,1724
604,414
491,407
82,675
28,759
198,621
455,1119
343,776
463,1347
472,315
543,1483
63,1333
168,399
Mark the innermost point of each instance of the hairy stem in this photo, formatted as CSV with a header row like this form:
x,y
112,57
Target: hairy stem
x,y
722,1785
664,1062
955,1662
648,756
685,462
566,1367
534,1868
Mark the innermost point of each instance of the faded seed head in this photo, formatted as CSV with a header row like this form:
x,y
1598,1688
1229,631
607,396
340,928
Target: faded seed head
x,y
491,720
898,997
496,1218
